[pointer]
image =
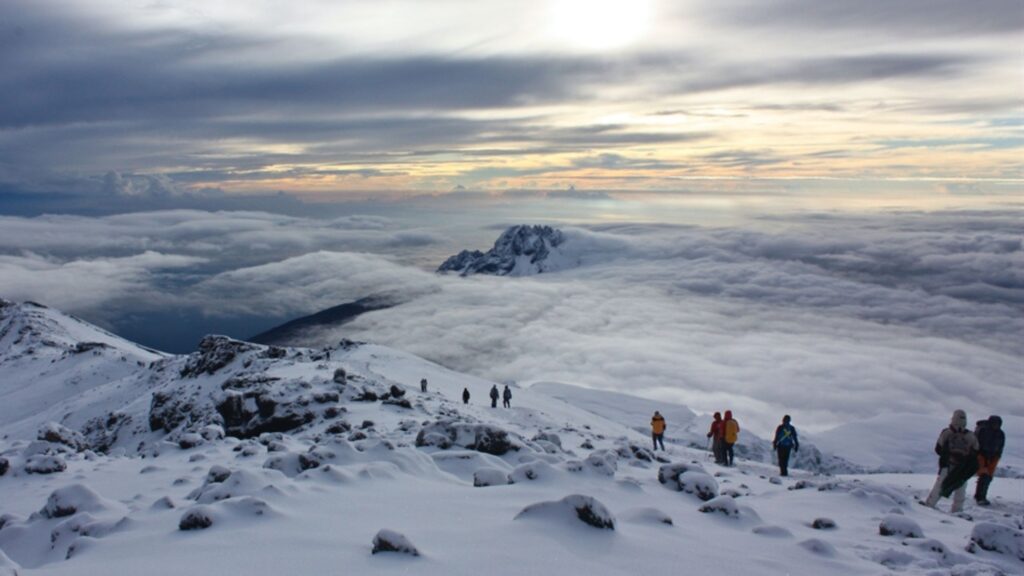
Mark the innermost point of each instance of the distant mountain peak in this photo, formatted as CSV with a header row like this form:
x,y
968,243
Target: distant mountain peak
x,y
520,251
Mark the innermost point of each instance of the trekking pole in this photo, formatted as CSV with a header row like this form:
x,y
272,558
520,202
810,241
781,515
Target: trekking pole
x,y
708,448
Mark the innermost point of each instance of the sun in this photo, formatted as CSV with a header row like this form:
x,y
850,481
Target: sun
x,y
599,24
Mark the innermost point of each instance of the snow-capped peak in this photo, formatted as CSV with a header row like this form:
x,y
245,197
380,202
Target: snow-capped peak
x,y
520,251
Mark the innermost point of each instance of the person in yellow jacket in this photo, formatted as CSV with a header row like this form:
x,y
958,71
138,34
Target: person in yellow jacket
x,y
732,434
658,430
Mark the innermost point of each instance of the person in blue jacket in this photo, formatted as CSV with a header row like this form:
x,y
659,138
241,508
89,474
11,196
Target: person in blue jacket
x,y
785,442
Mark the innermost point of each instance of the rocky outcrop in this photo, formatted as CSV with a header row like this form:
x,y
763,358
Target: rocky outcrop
x,y
519,251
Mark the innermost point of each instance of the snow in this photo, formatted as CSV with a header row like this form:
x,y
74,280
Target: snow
x,y
314,498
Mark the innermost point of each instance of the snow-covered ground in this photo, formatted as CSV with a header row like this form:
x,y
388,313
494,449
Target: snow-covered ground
x,y
328,452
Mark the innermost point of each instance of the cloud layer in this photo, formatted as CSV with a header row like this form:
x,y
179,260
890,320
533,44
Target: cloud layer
x,y
833,317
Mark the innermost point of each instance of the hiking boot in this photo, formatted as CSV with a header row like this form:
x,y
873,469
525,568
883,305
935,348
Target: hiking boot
x,y
983,502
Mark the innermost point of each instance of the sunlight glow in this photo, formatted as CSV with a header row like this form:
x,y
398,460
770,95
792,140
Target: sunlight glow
x,y
599,24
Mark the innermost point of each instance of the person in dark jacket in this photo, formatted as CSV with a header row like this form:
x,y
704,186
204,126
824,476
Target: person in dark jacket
x,y
423,385
990,448
955,444
506,397
785,441
716,434
494,396
465,395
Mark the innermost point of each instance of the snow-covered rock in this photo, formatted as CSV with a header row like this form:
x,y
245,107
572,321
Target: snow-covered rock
x,y
391,541
196,518
585,509
998,538
489,477
899,525
519,251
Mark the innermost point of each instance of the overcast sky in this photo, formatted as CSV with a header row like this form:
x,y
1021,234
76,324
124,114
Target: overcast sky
x,y
117,99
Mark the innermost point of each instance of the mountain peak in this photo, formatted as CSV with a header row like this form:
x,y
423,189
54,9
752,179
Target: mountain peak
x,y
520,251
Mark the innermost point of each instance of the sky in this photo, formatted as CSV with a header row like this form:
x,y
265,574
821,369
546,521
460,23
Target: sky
x,y
108,102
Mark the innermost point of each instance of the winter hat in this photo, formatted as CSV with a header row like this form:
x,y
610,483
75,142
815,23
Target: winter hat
x,y
786,419
718,415
959,420
728,414
995,421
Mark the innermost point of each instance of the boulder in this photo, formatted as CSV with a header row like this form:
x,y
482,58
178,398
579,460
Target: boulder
x,y
53,432
489,477
998,538
586,509
391,541
196,518
899,525
45,464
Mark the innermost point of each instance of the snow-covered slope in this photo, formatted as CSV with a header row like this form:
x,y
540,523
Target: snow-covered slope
x,y
519,251
902,442
243,458
48,357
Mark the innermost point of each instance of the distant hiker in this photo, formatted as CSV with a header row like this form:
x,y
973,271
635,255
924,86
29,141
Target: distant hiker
x,y
423,385
785,441
328,352
506,397
465,395
732,433
716,434
658,430
494,396
990,448
956,448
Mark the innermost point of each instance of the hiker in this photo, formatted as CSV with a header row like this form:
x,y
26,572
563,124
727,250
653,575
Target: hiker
x,y
716,433
494,396
423,385
731,429
658,430
785,441
990,447
506,397
328,352
465,395
956,448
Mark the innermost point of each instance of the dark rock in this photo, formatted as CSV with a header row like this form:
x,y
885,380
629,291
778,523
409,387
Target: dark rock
x,y
215,352
333,411
340,376
366,424
998,538
585,508
366,396
480,437
339,427
823,524
102,432
231,408
534,242
53,432
45,464
190,440
166,411
899,525
198,518
217,474
396,392
265,405
356,436
81,347
400,402
275,352
324,397
391,541
4,466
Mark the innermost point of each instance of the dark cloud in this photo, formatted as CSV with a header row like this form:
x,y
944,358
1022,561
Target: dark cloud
x,y
942,18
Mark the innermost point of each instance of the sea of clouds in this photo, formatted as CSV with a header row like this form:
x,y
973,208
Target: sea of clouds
x,y
830,317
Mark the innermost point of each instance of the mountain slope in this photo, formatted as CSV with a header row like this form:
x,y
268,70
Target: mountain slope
x,y
294,331
245,458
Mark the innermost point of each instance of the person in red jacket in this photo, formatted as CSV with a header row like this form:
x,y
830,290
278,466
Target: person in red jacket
x,y
716,434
